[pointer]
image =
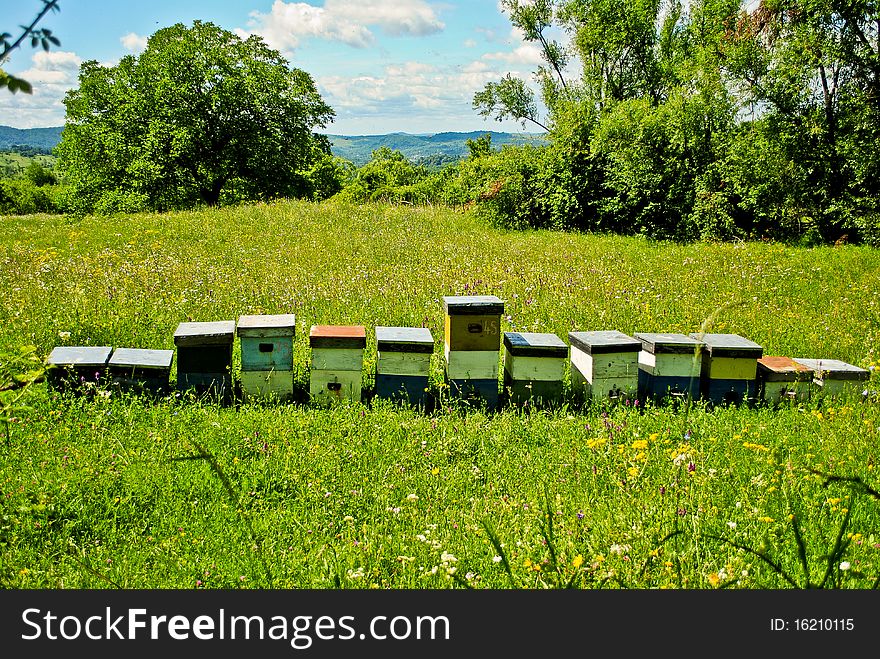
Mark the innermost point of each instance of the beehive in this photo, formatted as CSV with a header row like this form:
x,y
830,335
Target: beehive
x,y
833,377
669,366
472,345
604,365
267,355
782,379
403,363
141,370
729,368
337,363
204,357
534,365
69,367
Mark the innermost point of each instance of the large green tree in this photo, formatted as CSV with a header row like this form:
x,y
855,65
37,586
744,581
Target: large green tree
x,y
200,114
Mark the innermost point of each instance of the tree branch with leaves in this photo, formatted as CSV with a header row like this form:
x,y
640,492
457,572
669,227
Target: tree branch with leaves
x,y
39,37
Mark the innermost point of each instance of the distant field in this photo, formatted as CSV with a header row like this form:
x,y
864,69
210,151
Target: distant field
x,y
102,491
13,165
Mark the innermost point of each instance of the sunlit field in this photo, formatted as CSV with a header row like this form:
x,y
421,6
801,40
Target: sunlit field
x,y
111,489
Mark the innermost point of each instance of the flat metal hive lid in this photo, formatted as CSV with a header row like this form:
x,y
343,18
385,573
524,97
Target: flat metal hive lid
x,y
267,325
667,342
603,342
460,305
535,344
141,358
79,356
404,339
338,336
218,332
729,345
834,369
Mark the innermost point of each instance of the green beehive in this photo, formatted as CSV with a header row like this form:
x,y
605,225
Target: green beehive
x,y
267,355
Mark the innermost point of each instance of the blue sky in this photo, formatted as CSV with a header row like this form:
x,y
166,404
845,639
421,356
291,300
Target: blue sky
x,y
383,65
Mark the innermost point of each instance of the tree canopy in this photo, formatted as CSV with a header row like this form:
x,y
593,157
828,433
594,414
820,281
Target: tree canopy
x,y
200,115
713,118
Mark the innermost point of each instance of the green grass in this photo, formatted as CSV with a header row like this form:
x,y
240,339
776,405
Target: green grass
x,y
177,493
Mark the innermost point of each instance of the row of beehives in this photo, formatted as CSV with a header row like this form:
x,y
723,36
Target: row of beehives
x,y
721,368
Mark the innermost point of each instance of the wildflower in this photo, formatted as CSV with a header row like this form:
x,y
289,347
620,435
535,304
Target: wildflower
x,y
348,518
496,559
845,565
653,437
691,467
64,335
714,580
435,471
766,519
578,561
580,515
640,444
448,558
732,525
412,497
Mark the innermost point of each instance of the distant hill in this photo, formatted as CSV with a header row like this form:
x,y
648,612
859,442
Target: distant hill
x,y
436,148
41,139
452,146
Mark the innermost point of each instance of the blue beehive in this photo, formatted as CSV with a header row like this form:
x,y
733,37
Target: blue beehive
x,y
669,366
729,369
204,357
403,364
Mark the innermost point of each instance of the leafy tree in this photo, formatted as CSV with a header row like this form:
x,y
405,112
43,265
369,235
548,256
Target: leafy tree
x,y
43,37
39,175
198,113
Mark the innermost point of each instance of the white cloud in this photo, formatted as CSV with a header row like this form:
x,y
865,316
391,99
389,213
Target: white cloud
x,y
134,43
470,43
52,74
347,21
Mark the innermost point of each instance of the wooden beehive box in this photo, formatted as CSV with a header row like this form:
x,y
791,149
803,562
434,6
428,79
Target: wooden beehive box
x,y
534,366
670,364
833,377
69,367
267,355
141,370
472,346
604,365
729,369
403,364
337,363
204,357
782,379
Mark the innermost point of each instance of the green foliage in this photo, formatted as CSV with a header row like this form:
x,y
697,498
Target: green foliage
x,y
720,122
23,197
39,175
198,112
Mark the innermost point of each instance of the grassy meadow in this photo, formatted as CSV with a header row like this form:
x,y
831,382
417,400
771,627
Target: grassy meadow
x,y
116,490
